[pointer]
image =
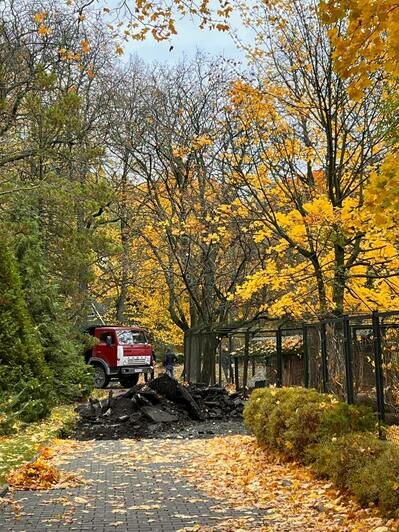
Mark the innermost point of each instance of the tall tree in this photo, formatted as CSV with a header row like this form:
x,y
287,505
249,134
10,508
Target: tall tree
x,y
23,369
169,138
302,179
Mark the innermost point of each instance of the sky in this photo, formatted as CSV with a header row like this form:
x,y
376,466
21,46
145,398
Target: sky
x,y
188,40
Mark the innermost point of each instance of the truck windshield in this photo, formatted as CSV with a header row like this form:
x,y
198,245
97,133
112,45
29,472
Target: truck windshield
x,y
131,337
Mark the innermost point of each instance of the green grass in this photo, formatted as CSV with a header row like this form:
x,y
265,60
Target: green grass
x,y
99,393
24,444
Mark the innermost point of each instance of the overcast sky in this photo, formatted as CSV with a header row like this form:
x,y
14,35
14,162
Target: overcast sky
x,y
188,40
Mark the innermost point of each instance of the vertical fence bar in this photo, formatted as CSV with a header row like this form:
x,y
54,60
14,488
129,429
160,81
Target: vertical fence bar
x,y
379,377
198,362
220,361
236,377
246,360
253,361
212,353
305,356
348,360
324,360
231,376
279,357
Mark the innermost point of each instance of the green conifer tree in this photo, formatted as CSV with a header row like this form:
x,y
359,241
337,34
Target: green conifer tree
x,y
25,378
72,378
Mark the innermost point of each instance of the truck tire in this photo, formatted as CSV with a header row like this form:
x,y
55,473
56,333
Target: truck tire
x,y
101,379
128,381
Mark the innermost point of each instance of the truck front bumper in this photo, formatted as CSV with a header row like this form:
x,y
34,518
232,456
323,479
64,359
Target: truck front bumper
x,y
130,370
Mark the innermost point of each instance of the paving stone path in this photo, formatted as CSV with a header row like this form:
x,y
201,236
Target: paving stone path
x,y
121,494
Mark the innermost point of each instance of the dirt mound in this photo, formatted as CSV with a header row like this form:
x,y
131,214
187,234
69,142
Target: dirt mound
x,y
148,409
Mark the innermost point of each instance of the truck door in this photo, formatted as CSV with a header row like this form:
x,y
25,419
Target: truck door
x,y
107,348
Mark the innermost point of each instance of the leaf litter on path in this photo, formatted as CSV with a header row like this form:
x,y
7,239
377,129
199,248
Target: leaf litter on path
x,y
237,471
42,474
249,488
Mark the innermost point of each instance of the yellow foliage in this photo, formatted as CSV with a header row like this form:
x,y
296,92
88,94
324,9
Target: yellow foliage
x,y
370,42
371,38
40,17
382,194
43,30
85,45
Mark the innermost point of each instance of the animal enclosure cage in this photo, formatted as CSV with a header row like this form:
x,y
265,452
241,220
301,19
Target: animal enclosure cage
x,y
355,357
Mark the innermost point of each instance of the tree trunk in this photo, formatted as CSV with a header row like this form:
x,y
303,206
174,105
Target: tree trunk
x,y
339,279
321,289
194,373
124,282
125,241
208,372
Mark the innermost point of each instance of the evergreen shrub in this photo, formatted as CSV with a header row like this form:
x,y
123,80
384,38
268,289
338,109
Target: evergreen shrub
x,y
289,420
337,440
339,458
41,364
72,378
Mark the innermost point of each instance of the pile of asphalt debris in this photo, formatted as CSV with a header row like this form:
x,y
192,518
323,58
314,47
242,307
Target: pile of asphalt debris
x,y
154,408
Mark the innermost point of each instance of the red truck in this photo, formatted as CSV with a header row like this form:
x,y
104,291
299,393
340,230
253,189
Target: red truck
x,y
121,352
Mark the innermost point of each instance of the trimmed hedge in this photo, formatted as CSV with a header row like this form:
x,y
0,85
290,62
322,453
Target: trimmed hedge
x,y
362,464
289,420
337,440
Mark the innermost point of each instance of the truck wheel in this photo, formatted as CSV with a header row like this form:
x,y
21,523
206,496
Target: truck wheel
x,y
101,379
127,381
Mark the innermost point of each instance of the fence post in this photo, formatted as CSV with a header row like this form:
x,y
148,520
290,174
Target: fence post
x,y
348,360
220,361
236,377
324,361
246,360
279,356
231,376
198,364
305,356
379,377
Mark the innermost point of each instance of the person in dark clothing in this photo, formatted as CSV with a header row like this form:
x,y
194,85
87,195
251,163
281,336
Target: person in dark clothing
x,y
226,364
169,362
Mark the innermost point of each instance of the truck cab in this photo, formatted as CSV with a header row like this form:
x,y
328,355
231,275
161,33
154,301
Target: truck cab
x,y
120,352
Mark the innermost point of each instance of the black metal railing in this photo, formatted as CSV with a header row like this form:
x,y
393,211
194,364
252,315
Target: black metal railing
x,y
355,357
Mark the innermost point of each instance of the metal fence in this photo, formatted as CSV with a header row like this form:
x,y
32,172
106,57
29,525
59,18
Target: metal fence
x,y
354,357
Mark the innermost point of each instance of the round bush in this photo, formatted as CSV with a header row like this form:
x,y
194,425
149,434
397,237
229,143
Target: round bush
x,y
291,419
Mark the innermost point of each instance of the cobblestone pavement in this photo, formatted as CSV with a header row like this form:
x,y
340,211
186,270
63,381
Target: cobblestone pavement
x,y
122,493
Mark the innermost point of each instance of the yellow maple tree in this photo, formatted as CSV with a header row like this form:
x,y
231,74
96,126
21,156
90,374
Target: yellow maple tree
x,y
303,182
365,35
